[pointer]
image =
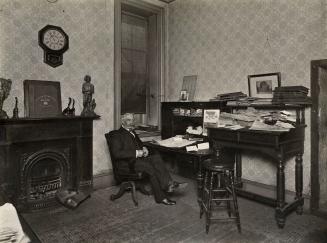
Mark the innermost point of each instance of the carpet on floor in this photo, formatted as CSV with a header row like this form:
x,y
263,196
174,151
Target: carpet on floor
x,y
99,219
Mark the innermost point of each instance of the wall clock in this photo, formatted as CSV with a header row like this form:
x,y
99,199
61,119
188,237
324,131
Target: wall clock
x,y
54,42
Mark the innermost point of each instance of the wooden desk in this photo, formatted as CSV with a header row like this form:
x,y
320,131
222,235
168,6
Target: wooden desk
x,y
195,157
279,146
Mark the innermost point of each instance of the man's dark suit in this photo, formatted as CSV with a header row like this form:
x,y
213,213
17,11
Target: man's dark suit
x,y
123,147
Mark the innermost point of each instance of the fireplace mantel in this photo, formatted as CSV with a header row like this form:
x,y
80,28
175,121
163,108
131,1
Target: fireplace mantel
x,y
38,156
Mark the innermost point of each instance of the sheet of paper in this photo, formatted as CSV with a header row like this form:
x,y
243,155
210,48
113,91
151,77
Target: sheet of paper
x,y
191,148
202,146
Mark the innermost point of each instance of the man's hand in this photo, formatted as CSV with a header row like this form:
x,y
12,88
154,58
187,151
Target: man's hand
x,y
139,153
145,152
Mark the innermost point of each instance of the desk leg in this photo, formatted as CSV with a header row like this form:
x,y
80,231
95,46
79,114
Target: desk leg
x,y
299,181
280,216
238,159
200,182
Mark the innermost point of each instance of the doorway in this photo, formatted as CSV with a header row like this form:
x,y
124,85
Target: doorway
x,y
139,61
318,202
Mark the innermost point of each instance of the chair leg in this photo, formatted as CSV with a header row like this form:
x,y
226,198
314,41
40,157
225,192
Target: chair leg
x,y
141,188
123,188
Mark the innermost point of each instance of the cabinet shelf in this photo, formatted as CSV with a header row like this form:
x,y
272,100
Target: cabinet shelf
x,y
175,124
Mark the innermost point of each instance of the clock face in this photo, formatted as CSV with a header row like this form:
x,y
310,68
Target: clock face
x,y
54,39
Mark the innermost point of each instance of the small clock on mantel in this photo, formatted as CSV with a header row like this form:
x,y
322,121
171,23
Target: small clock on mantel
x,y
54,42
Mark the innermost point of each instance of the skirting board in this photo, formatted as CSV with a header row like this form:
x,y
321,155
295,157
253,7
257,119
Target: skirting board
x,y
103,180
270,191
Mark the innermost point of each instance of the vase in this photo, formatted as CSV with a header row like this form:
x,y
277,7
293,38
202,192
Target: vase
x,y
5,87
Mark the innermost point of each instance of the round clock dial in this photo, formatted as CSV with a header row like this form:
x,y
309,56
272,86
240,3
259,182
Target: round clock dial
x,y
54,39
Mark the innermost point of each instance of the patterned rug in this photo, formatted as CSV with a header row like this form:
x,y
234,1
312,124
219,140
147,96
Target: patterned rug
x,y
100,220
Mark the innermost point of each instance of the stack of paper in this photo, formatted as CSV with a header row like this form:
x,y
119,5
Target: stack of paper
x,y
174,142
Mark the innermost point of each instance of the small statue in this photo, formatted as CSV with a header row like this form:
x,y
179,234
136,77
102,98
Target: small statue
x,y
65,112
71,111
5,87
15,111
88,102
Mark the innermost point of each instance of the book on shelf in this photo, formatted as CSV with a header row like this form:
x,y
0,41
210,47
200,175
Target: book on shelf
x,y
292,88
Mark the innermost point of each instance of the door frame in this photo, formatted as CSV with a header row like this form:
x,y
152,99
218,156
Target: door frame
x,y
314,173
161,50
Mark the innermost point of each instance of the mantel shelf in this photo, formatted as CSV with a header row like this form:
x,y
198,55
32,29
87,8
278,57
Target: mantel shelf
x,y
55,118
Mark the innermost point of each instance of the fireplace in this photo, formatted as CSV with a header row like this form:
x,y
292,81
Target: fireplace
x,y
41,156
43,173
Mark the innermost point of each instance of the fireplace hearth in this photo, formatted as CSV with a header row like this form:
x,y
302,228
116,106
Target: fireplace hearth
x,y
41,156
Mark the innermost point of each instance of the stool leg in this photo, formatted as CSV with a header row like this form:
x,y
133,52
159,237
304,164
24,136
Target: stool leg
x,y
203,194
208,213
227,195
238,221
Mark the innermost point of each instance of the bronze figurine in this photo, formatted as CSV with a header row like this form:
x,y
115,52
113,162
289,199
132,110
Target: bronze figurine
x,y
69,111
15,111
88,103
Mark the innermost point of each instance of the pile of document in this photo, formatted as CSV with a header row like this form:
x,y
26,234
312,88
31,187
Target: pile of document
x,y
10,227
174,142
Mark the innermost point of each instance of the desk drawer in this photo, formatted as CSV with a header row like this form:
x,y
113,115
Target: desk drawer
x,y
222,134
258,138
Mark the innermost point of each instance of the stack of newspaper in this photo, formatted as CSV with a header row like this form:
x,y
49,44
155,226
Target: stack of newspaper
x,y
10,227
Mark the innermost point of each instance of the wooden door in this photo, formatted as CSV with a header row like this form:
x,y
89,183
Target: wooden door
x,y
319,136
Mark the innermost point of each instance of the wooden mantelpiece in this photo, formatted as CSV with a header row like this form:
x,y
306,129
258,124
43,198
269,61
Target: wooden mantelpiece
x,y
38,156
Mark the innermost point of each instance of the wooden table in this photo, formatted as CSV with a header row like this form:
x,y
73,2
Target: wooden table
x,y
279,146
195,157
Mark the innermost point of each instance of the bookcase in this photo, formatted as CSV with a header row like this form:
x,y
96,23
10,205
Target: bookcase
x,y
177,116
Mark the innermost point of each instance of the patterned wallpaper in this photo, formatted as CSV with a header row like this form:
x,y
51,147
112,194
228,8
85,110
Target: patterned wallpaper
x,y
223,41
89,25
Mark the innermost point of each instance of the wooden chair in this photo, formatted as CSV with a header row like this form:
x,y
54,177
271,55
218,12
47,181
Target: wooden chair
x,y
126,176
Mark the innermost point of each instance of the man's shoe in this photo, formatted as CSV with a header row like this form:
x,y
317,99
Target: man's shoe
x,y
167,201
177,186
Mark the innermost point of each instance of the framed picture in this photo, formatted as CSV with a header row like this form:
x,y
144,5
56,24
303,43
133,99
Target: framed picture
x,y
262,85
183,95
42,98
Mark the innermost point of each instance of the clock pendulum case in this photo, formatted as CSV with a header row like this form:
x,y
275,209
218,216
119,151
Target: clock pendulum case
x,y
54,42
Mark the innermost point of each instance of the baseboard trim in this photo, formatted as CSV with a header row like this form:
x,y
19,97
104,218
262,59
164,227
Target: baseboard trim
x,y
270,191
103,180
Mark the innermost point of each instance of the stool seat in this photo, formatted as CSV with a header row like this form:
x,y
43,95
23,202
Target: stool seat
x,y
218,191
216,165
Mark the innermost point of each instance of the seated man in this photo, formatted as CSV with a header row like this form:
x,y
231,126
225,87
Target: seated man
x,y
127,145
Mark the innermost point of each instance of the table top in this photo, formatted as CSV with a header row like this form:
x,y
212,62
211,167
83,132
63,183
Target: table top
x,y
199,153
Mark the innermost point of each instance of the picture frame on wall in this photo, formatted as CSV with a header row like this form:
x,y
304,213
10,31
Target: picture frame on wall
x,y
262,85
42,98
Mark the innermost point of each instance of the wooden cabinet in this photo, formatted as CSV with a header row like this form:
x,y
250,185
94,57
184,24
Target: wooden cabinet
x,y
177,116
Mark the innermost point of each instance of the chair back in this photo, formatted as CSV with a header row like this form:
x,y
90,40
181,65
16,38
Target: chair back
x,y
121,173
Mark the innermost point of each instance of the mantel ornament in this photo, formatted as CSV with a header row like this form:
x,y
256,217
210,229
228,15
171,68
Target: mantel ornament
x,y
88,103
5,87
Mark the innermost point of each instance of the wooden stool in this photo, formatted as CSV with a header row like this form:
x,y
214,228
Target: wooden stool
x,y
218,192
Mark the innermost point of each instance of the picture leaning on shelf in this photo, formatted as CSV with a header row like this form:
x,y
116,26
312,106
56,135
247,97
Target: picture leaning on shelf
x,y
210,119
